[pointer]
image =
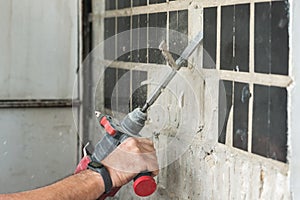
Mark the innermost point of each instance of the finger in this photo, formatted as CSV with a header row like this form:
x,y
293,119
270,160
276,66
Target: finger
x,y
153,167
150,157
155,173
136,145
145,141
131,140
152,164
147,148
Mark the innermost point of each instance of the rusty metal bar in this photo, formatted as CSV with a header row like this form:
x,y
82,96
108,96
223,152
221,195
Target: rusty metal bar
x,y
39,103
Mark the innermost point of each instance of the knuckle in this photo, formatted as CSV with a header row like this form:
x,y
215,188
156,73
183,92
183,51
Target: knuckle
x,y
151,143
132,141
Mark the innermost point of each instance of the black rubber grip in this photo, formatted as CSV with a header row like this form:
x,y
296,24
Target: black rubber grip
x,y
142,174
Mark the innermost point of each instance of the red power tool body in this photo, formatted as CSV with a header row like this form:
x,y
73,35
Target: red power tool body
x,y
116,133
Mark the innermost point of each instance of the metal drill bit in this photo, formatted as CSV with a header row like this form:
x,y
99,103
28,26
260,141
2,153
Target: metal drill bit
x,y
179,63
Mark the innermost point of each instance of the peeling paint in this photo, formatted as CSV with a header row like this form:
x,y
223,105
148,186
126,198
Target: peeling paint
x,y
261,178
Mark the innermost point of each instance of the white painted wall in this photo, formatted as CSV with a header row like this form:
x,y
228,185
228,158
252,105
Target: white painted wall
x,y
38,52
38,60
37,147
295,100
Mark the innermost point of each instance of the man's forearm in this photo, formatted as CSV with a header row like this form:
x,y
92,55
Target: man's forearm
x,y
86,185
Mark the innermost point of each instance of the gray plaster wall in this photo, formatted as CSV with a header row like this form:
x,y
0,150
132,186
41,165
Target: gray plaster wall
x,y
37,147
295,100
224,174
38,54
38,60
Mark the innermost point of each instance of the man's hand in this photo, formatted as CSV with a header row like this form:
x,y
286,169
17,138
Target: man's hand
x,y
131,157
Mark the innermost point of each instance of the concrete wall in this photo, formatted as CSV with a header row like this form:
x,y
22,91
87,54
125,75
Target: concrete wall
x,y
295,101
38,61
38,54
38,146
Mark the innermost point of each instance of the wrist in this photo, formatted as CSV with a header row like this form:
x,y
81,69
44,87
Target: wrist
x,y
93,181
103,172
92,167
97,177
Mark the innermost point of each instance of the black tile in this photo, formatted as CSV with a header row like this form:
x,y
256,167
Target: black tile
x,y
278,128
161,35
139,38
135,38
271,38
210,38
162,20
153,41
110,78
123,24
262,45
242,25
279,38
235,37
225,105
178,39
173,20
227,25
109,27
183,29
139,2
123,39
240,115
109,43
143,23
174,36
183,21
139,95
261,124
110,4
269,136
156,1
124,4
156,35
123,96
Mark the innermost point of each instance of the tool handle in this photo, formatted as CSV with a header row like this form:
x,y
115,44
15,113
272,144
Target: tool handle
x,y
144,184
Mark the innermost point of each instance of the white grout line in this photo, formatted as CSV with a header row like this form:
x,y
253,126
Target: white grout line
x,y
251,70
213,3
176,5
256,78
250,117
152,8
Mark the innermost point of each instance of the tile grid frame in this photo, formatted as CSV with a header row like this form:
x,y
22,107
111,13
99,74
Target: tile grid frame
x,y
252,78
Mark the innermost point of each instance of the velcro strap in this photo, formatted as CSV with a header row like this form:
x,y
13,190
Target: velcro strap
x,y
105,175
